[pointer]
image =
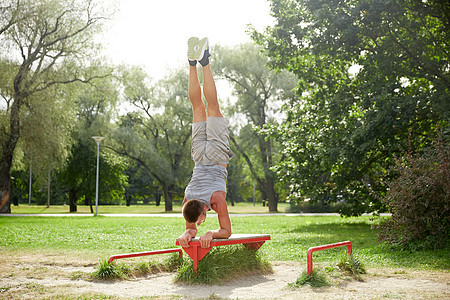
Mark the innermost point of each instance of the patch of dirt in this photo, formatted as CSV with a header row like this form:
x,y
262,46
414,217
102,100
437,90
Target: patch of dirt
x,y
52,277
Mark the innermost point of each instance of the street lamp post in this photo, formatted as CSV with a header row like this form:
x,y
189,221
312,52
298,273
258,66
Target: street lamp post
x,y
97,139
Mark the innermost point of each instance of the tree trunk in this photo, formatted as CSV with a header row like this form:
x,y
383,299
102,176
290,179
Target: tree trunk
x,y
272,198
231,200
89,200
5,183
158,198
72,200
15,200
167,197
7,156
266,158
5,180
5,191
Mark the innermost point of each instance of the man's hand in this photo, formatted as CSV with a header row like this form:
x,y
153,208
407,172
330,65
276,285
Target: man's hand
x,y
184,239
205,240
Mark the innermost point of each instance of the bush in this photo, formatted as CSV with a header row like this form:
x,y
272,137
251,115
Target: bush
x,y
419,201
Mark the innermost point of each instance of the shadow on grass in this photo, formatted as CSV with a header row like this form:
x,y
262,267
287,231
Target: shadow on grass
x,y
311,235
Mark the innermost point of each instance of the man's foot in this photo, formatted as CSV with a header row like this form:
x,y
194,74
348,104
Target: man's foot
x,y
202,47
193,50
205,60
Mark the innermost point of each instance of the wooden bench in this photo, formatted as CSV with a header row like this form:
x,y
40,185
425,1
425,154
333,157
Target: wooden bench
x,y
196,252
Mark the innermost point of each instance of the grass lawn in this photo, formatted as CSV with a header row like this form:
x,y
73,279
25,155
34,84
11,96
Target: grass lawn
x,y
238,208
99,237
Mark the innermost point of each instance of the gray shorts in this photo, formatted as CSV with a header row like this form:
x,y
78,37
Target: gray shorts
x,y
211,142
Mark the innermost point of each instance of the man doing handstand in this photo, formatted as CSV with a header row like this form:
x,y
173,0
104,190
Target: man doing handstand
x,y
210,152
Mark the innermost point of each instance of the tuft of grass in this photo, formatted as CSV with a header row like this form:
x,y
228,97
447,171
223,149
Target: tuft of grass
x,y
222,264
351,265
316,279
143,268
106,270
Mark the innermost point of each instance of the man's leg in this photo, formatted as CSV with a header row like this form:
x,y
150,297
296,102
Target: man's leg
x,y
210,92
195,95
212,136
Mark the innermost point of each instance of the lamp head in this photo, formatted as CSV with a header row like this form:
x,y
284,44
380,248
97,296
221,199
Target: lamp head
x,y
98,139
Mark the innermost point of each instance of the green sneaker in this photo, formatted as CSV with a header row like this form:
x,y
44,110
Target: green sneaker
x,y
203,46
193,49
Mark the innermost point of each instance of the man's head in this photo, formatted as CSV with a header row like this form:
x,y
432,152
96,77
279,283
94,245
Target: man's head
x,y
194,211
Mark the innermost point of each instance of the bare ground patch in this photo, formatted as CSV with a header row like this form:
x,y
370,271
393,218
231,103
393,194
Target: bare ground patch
x,y
53,276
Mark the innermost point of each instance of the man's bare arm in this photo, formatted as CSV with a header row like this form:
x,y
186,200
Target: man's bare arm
x,y
188,234
219,205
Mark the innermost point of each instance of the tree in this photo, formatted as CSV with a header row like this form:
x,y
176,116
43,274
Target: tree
x,y
259,92
47,45
96,105
140,185
9,14
365,80
79,176
156,135
46,126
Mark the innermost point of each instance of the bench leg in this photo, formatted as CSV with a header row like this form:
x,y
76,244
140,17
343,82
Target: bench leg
x,y
195,259
196,253
254,246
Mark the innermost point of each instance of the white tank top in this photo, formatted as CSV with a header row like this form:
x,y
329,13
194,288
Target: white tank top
x,y
205,181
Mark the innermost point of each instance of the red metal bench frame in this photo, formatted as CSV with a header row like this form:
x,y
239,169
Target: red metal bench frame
x,y
137,254
324,247
196,252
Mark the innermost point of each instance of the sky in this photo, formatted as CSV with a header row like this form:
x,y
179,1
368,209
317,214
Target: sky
x,y
154,33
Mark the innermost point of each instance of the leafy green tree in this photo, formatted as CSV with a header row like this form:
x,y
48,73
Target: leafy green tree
x,y
46,124
368,72
46,45
157,133
259,93
140,185
78,178
96,106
